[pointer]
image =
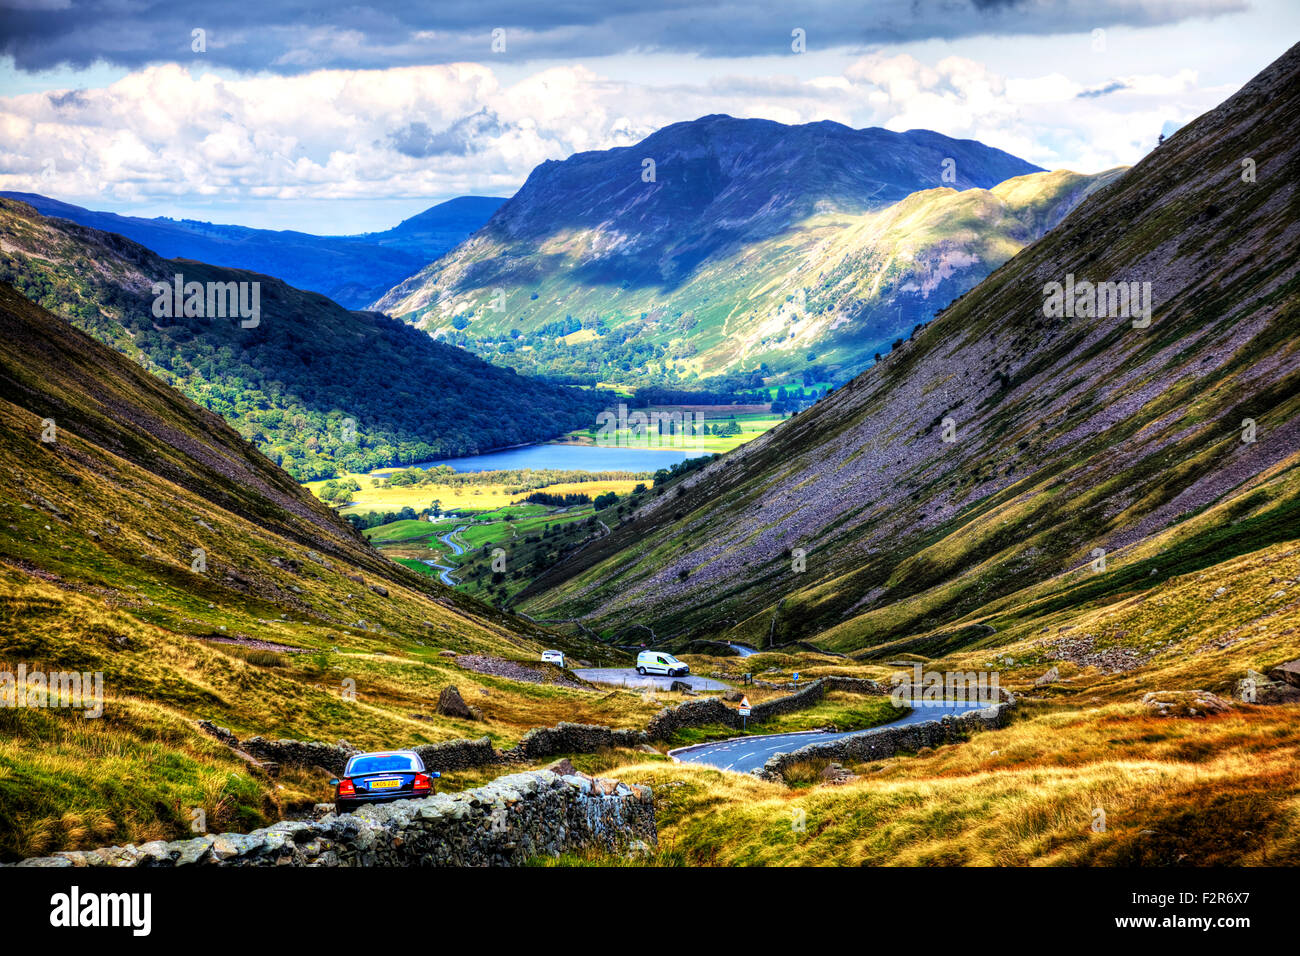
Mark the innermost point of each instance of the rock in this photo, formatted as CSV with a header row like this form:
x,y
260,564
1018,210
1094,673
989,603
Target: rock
x,y
835,774
1050,677
379,589
1288,673
1184,703
451,704
446,653
564,767
733,697
646,749
679,686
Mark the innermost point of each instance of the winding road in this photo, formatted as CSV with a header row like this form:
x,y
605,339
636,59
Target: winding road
x,y
743,754
444,570
628,677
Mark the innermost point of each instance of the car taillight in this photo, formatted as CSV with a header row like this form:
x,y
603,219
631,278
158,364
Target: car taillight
x,y
421,782
346,788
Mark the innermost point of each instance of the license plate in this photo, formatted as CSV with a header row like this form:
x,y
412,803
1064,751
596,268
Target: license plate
x,y
385,784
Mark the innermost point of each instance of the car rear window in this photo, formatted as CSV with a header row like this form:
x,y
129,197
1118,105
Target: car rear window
x,y
381,763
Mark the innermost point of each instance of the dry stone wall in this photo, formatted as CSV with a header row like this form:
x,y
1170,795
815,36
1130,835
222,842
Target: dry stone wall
x,y
889,741
711,710
538,744
505,823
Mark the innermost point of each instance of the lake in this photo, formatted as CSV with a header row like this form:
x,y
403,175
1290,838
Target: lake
x,y
568,458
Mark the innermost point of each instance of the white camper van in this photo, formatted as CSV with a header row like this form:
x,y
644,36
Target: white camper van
x,y
660,662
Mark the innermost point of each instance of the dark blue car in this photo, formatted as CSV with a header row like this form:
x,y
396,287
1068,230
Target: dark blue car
x,y
380,777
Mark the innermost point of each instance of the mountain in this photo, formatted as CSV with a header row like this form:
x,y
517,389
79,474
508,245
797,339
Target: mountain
x,y
758,246
143,540
352,270
439,227
1010,461
314,385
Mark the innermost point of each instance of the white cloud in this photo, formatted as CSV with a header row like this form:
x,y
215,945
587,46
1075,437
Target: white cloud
x,y
164,133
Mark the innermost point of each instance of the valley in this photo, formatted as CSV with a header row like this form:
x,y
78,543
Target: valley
x,y
798,410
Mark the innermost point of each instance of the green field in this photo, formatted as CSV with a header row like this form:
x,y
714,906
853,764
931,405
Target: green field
x,y
752,424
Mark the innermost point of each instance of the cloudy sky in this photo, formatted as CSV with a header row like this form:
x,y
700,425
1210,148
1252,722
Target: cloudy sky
x,y
347,117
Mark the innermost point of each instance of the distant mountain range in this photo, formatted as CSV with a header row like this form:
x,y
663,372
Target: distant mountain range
x,y
1011,461
730,246
351,270
315,386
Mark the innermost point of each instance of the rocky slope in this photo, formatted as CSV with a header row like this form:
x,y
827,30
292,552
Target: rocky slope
x,y
754,243
1003,461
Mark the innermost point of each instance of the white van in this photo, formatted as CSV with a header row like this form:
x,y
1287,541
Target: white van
x,y
660,662
553,657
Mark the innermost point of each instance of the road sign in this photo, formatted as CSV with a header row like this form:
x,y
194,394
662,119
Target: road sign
x,y
744,707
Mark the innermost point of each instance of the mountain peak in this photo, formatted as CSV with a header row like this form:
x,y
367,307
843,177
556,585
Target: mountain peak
x,y
692,189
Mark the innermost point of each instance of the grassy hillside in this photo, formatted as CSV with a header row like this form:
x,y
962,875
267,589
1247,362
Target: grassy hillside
x,y
1069,435
1085,774
318,388
287,615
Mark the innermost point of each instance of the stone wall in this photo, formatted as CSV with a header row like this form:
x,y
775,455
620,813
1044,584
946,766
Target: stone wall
x,y
301,753
712,710
693,713
538,744
459,754
542,742
505,823
887,742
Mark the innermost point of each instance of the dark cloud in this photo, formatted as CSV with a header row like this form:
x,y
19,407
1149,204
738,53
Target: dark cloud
x,y
1112,87
292,36
467,135
72,98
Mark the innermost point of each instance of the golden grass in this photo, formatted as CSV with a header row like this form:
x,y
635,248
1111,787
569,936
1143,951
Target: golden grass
x,y
458,497
1217,791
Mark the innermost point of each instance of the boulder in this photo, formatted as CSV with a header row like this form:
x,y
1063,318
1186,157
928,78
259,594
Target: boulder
x,y
563,767
1184,703
1288,673
1050,677
733,697
451,704
679,686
